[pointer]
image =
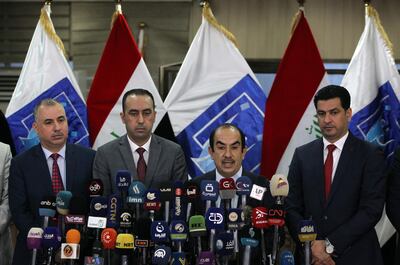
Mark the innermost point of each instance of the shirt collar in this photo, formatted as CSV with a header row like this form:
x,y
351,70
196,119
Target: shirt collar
x,y
339,143
238,174
47,152
134,146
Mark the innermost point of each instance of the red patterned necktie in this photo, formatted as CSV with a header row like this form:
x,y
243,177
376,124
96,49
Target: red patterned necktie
x,y
141,164
328,168
56,181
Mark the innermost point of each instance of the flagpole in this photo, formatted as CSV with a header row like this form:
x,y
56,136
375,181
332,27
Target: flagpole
x,y
301,2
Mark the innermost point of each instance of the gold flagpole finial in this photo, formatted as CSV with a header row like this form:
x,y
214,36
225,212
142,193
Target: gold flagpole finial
x,y
48,2
118,10
301,2
367,2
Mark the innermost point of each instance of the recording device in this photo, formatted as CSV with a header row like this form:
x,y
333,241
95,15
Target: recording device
x,y
98,212
51,242
124,244
227,191
178,211
192,193
225,246
307,233
137,193
205,258
178,258
214,222
260,221
257,192
152,202
142,240
160,232
126,221
286,258
34,241
114,207
47,209
162,255
243,189
62,202
209,192
279,187
249,239
95,188
70,250
276,218
166,197
77,211
123,180
178,232
197,229
234,223
108,238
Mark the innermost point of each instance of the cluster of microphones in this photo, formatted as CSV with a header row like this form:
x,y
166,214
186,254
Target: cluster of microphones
x,y
165,225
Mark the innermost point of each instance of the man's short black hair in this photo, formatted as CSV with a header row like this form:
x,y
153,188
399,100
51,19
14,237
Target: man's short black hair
x,y
228,126
333,91
137,92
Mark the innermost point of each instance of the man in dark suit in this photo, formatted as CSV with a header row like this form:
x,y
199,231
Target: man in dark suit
x,y
228,149
149,158
339,182
393,195
32,172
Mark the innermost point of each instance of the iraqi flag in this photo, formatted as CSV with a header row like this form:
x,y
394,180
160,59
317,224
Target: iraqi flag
x,y
46,74
374,85
121,68
214,85
290,116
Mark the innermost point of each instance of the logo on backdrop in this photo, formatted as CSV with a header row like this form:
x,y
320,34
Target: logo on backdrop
x,y
243,105
21,121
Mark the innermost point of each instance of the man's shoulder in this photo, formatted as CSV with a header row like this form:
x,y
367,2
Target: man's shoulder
x,y
27,155
255,178
80,149
210,175
112,144
165,142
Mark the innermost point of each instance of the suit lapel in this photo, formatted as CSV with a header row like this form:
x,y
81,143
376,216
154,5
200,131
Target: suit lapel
x,y
43,173
127,156
70,167
154,154
318,173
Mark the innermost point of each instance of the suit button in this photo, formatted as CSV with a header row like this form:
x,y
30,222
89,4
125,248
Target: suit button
x,y
325,217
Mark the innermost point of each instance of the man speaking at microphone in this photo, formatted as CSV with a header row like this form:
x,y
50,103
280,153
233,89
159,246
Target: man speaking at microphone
x,y
338,181
150,159
45,169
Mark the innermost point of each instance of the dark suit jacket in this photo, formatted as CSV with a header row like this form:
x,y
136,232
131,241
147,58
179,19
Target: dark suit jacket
x,y
355,202
166,163
30,180
393,192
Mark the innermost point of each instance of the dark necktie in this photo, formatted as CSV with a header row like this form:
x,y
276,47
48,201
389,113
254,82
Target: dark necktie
x,y
56,181
328,168
141,164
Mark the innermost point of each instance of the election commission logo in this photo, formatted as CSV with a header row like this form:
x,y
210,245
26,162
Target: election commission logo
x,y
21,121
243,105
379,121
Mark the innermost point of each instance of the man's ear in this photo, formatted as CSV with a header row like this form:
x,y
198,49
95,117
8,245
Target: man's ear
x,y
210,152
121,115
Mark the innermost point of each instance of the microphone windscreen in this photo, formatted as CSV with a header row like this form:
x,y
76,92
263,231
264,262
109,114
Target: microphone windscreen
x,y
73,236
113,210
227,188
162,255
159,231
209,190
123,180
78,206
243,186
152,200
197,226
276,215
34,238
51,238
178,258
143,228
62,200
249,236
48,206
307,231
166,193
286,258
124,241
215,219
178,230
192,191
235,219
98,206
279,185
136,192
178,209
108,238
224,244
95,188
125,219
259,218
206,258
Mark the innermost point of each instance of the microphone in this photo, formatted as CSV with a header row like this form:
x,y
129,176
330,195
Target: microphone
x,y
123,180
51,241
178,258
286,258
192,193
178,232
206,258
243,189
257,192
209,192
249,239
62,201
214,222
95,188
152,202
178,201
159,232
307,234
125,221
70,250
279,187
197,229
225,246
108,238
234,223
142,240
77,211
227,191
166,196
113,210
124,244
260,221
98,212
162,255
34,241
137,193
47,209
